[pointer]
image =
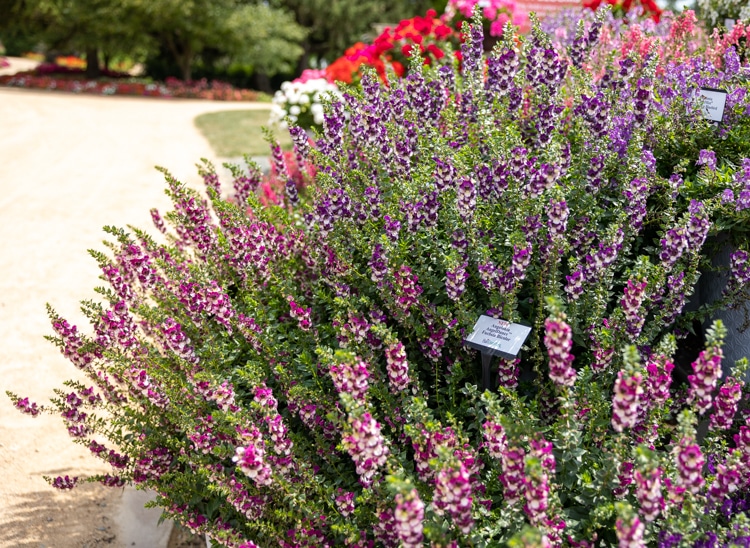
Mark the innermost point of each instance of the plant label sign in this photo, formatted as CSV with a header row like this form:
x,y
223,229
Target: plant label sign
x,y
714,101
495,337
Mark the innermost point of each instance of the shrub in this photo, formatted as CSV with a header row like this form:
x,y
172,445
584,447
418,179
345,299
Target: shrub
x,y
296,375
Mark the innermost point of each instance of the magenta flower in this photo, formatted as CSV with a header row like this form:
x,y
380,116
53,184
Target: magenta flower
x,y
409,519
725,404
251,458
366,446
397,367
630,533
706,373
494,439
453,495
648,492
558,338
690,461
513,476
351,378
628,392
634,294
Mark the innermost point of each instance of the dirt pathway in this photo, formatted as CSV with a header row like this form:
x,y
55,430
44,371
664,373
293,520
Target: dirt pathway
x,y
69,165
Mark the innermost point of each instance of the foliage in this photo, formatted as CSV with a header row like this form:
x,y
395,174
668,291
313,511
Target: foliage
x,y
295,375
716,12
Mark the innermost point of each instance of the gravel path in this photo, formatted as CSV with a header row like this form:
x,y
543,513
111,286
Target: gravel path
x,y
69,165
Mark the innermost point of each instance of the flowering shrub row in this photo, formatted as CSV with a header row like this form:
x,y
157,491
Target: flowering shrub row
x,y
55,77
295,375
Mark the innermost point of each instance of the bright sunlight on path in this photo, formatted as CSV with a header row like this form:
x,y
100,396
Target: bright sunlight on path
x,y
69,165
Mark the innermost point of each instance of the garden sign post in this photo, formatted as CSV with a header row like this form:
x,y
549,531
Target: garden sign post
x,y
494,337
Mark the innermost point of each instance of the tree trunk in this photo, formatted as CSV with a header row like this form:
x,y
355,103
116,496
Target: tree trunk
x,y
92,62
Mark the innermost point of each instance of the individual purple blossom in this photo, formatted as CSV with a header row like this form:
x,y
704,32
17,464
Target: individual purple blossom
x,y
345,503
455,281
626,401
707,158
176,340
72,347
540,464
392,227
634,294
26,407
453,495
727,197
698,225
301,141
158,221
673,245
444,174
739,268
118,282
291,192
219,306
397,367
557,219
558,338
706,373
366,445
648,492
507,373
351,378
65,482
689,460
407,289
512,476
378,264
372,199
574,285
727,481
302,315
409,519
658,380
624,478
466,199
495,440
725,404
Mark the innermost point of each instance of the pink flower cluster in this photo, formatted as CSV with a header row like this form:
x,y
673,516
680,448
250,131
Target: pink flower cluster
x,y
690,461
409,519
251,458
345,503
648,492
634,294
277,430
513,474
366,446
536,482
397,367
494,439
706,373
177,341
455,281
29,408
72,344
628,393
725,404
407,289
351,378
630,532
558,338
302,315
453,495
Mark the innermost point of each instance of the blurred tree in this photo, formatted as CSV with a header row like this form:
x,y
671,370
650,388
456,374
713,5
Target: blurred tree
x,y
334,25
232,30
89,26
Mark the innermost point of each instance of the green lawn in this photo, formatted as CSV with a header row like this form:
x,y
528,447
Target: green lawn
x,y
233,133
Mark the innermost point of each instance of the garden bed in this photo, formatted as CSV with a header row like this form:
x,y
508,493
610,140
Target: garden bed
x,y
59,78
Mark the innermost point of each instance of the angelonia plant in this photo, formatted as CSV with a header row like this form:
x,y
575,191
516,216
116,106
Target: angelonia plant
x,y
295,374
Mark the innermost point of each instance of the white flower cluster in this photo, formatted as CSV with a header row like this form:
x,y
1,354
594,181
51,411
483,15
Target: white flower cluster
x,y
301,102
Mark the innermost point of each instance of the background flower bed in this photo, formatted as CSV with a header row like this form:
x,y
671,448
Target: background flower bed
x,y
62,78
296,375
